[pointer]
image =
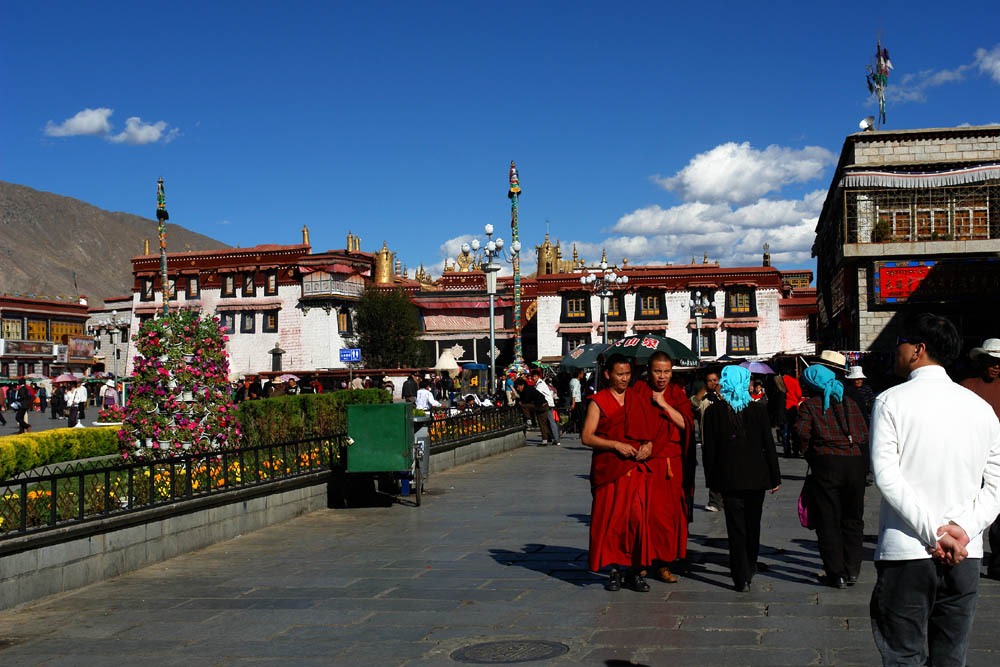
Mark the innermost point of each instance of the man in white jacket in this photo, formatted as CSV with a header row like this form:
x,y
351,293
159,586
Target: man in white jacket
x,y
936,458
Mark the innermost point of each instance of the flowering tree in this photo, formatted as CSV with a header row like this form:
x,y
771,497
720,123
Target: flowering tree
x,y
179,397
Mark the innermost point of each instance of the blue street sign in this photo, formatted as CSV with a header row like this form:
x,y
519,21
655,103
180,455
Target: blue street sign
x,y
350,354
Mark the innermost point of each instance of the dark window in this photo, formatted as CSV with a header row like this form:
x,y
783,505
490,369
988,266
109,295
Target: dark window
x,y
707,342
270,322
650,305
571,341
276,362
144,318
271,283
740,302
123,334
344,321
228,285
247,322
575,307
742,342
192,288
228,322
249,287
147,290
118,353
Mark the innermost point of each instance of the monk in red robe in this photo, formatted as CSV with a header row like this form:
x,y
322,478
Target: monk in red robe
x,y
619,427
671,479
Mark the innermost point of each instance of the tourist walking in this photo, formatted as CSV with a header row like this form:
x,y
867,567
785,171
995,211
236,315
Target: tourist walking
x,y
425,398
548,394
577,412
534,406
715,502
987,386
793,396
936,457
21,405
410,388
744,464
619,428
109,395
833,435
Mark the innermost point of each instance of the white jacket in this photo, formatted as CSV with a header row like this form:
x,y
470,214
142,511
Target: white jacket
x,y
936,458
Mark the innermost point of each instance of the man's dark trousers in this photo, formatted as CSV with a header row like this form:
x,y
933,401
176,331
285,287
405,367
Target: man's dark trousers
x,y
923,609
838,501
993,570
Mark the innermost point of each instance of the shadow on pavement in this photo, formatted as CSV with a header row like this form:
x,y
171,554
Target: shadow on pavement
x,y
567,564
582,518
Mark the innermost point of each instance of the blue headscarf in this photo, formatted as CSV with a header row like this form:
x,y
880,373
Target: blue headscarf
x,y
734,387
822,379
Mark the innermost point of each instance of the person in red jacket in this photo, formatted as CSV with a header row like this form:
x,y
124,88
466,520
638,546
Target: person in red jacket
x,y
793,398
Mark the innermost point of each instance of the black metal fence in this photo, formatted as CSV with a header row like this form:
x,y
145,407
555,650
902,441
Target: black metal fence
x,y
468,425
34,503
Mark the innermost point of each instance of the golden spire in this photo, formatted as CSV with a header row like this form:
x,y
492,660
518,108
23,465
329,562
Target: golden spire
x,y
575,256
383,265
604,256
145,246
305,235
705,261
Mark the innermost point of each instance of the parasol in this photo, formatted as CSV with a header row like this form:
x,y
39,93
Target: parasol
x,y
757,367
288,376
584,356
641,346
66,377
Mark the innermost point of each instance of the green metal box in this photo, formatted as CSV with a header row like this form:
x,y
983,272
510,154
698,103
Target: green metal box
x,y
382,435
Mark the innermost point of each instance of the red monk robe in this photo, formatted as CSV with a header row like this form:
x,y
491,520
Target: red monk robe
x,y
671,479
619,534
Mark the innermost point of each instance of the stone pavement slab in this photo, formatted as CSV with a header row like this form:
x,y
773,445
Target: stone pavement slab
x,y
498,551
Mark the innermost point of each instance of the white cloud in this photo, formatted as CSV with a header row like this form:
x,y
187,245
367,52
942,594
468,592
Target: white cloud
x,y
738,173
86,122
988,62
95,122
913,87
137,133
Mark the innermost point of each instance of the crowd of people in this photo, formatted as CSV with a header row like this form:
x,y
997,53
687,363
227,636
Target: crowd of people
x,y
65,400
929,444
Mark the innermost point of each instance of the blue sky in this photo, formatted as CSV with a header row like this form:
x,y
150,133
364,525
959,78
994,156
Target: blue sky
x,y
655,131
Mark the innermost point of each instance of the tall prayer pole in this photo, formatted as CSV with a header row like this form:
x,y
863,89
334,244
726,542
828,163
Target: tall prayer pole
x,y
513,193
161,218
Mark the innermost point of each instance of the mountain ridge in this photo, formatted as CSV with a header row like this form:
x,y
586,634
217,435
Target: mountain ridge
x,y
51,244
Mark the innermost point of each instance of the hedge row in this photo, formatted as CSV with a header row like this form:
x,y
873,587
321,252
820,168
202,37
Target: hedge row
x,y
20,453
287,418
267,421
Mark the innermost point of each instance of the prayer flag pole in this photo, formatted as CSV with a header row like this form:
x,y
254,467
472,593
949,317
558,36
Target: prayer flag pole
x,y
161,217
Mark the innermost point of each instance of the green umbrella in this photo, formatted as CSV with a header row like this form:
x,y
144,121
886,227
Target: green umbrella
x,y
584,356
641,346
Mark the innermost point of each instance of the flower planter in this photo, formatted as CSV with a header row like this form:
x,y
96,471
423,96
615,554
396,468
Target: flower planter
x,y
188,358
187,396
186,445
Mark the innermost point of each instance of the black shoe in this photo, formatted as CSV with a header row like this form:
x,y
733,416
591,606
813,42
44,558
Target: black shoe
x,y
833,582
743,588
614,580
852,579
636,582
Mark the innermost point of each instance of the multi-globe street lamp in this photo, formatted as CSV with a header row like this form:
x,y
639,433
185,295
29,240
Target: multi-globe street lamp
x,y
602,285
493,249
700,305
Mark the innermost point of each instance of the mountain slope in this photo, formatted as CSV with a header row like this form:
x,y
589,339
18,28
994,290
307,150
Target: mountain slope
x,y
46,238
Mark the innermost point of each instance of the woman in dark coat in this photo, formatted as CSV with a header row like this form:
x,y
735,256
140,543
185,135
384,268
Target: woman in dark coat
x,y
745,465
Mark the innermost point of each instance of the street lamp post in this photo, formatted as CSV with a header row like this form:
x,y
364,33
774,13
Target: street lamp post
x,y
602,286
492,250
115,334
699,306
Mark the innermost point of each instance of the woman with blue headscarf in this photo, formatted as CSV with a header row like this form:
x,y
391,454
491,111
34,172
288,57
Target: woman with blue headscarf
x,y
745,464
833,435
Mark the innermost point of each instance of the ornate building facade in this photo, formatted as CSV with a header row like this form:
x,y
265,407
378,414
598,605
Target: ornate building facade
x,y
911,223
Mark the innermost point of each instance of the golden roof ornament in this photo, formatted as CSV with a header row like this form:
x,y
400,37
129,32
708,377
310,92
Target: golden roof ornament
x,y
705,261
305,235
604,256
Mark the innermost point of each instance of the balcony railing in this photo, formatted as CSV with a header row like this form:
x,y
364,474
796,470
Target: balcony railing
x,y
959,213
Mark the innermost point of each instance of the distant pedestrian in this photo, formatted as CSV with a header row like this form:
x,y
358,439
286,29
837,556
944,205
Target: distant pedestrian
x,y
543,388
793,396
425,398
43,399
744,464
577,411
833,433
410,388
987,387
936,457
21,405
715,502
534,406
109,395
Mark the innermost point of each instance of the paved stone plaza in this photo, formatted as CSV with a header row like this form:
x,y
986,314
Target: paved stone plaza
x,y
498,551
